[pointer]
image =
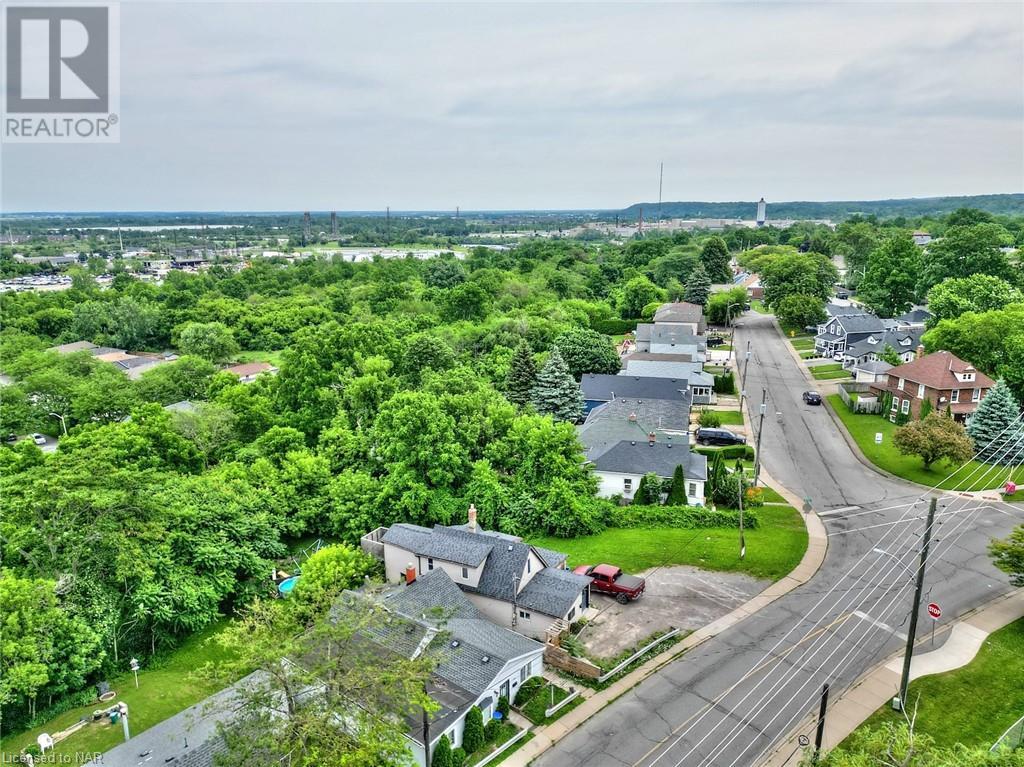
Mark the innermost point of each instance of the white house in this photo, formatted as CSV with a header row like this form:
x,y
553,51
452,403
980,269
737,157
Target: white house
x,y
621,468
681,314
514,584
479,662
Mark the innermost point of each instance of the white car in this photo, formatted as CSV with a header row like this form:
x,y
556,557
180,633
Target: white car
x,y
39,439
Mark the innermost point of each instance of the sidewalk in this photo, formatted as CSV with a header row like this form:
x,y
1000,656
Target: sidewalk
x,y
878,686
546,736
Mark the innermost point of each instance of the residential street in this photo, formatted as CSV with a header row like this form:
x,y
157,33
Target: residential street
x,y
728,701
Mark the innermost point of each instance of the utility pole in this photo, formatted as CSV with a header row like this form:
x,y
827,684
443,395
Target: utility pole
x,y
426,736
743,379
743,543
819,736
900,703
760,431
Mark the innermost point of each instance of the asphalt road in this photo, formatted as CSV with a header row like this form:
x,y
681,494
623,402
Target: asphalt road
x,y
728,701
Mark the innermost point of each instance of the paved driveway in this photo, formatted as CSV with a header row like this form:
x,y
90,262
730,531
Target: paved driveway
x,y
676,597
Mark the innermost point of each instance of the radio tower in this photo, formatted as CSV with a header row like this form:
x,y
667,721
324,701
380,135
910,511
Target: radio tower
x,y
334,224
306,228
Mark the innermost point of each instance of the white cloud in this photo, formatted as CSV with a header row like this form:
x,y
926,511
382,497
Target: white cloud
x,y
261,106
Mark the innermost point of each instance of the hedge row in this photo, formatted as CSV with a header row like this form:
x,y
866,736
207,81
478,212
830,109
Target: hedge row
x,y
729,452
614,327
684,517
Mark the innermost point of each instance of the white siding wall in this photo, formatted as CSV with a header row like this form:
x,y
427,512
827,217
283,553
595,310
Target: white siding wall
x,y
396,559
500,613
691,327
612,483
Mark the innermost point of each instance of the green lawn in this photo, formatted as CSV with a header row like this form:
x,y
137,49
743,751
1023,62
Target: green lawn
x,y
808,354
768,495
273,357
773,549
758,306
975,704
730,417
802,343
863,427
534,706
164,690
829,372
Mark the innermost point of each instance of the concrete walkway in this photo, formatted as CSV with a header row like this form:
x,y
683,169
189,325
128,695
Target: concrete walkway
x,y
877,687
594,701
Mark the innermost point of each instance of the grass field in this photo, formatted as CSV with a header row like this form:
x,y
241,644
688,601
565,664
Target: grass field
x,y
273,357
829,372
164,690
802,343
863,427
759,307
773,549
975,704
729,417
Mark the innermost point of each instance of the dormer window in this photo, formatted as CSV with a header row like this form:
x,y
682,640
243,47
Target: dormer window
x,y
900,384
872,340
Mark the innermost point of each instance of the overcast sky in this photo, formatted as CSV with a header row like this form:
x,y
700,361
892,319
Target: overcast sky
x,y
255,106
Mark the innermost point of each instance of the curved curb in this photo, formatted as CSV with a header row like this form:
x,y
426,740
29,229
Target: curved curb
x,y
878,685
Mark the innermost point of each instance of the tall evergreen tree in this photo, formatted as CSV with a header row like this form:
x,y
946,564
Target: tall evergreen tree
x,y
715,255
473,731
993,427
522,375
677,495
442,753
698,286
648,492
556,392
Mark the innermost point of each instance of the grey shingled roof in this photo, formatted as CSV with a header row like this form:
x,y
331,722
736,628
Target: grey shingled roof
x,y
915,316
836,310
897,339
430,592
669,334
861,323
875,367
661,458
692,372
680,311
464,549
604,387
629,419
552,592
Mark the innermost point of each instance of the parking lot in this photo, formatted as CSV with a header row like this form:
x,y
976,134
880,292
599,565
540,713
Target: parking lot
x,y
683,597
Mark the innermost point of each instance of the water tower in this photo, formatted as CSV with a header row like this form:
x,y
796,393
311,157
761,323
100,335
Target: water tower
x,y
761,212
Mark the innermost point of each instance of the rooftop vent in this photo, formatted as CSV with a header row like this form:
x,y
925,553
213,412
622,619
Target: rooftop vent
x,y
455,643
486,659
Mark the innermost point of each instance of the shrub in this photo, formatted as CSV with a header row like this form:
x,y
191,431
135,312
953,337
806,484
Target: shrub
x,y
503,707
442,753
473,733
728,453
458,756
724,384
684,517
649,489
529,688
614,327
573,646
491,729
709,419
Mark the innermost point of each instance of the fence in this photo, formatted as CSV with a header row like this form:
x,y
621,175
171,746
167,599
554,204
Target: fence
x,y
1012,739
561,659
646,648
503,748
858,397
573,695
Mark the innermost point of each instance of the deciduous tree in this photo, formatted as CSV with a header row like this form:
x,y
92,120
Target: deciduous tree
x,y
935,438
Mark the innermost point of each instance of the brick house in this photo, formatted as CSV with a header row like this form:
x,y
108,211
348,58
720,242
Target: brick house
x,y
942,378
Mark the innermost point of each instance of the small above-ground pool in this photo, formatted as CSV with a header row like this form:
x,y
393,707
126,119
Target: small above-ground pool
x,y
285,587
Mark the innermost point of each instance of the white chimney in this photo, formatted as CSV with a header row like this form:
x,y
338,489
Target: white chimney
x,y
472,518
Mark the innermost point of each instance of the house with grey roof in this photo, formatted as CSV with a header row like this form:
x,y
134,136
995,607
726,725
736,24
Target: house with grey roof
x,y
916,318
670,339
514,584
903,340
839,332
647,365
682,314
599,388
477,663
621,467
626,418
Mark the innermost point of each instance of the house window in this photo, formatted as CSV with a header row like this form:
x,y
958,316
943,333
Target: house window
x,y
572,614
905,408
465,572
895,403
627,485
900,385
430,564
524,615
527,564
692,491
522,674
920,391
976,395
954,396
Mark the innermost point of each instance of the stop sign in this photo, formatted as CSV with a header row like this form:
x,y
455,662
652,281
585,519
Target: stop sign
x,y
934,610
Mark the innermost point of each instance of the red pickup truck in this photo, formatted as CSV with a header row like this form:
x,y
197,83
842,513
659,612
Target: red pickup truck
x,y
611,580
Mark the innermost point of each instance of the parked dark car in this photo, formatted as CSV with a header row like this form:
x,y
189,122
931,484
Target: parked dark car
x,y
719,437
842,295
812,398
11,438
611,580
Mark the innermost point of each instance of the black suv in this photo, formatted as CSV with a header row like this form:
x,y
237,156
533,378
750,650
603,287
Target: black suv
x,y
719,437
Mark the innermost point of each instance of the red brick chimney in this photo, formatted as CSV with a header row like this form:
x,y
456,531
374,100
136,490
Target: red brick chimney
x,y
410,573
652,438
472,518
919,352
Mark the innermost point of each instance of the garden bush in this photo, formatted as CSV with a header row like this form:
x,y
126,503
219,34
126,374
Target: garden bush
x,y
709,419
730,452
614,327
685,517
503,707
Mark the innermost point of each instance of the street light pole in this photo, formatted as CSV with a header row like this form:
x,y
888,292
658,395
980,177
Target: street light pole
x,y
63,425
901,702
743,378
760,431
